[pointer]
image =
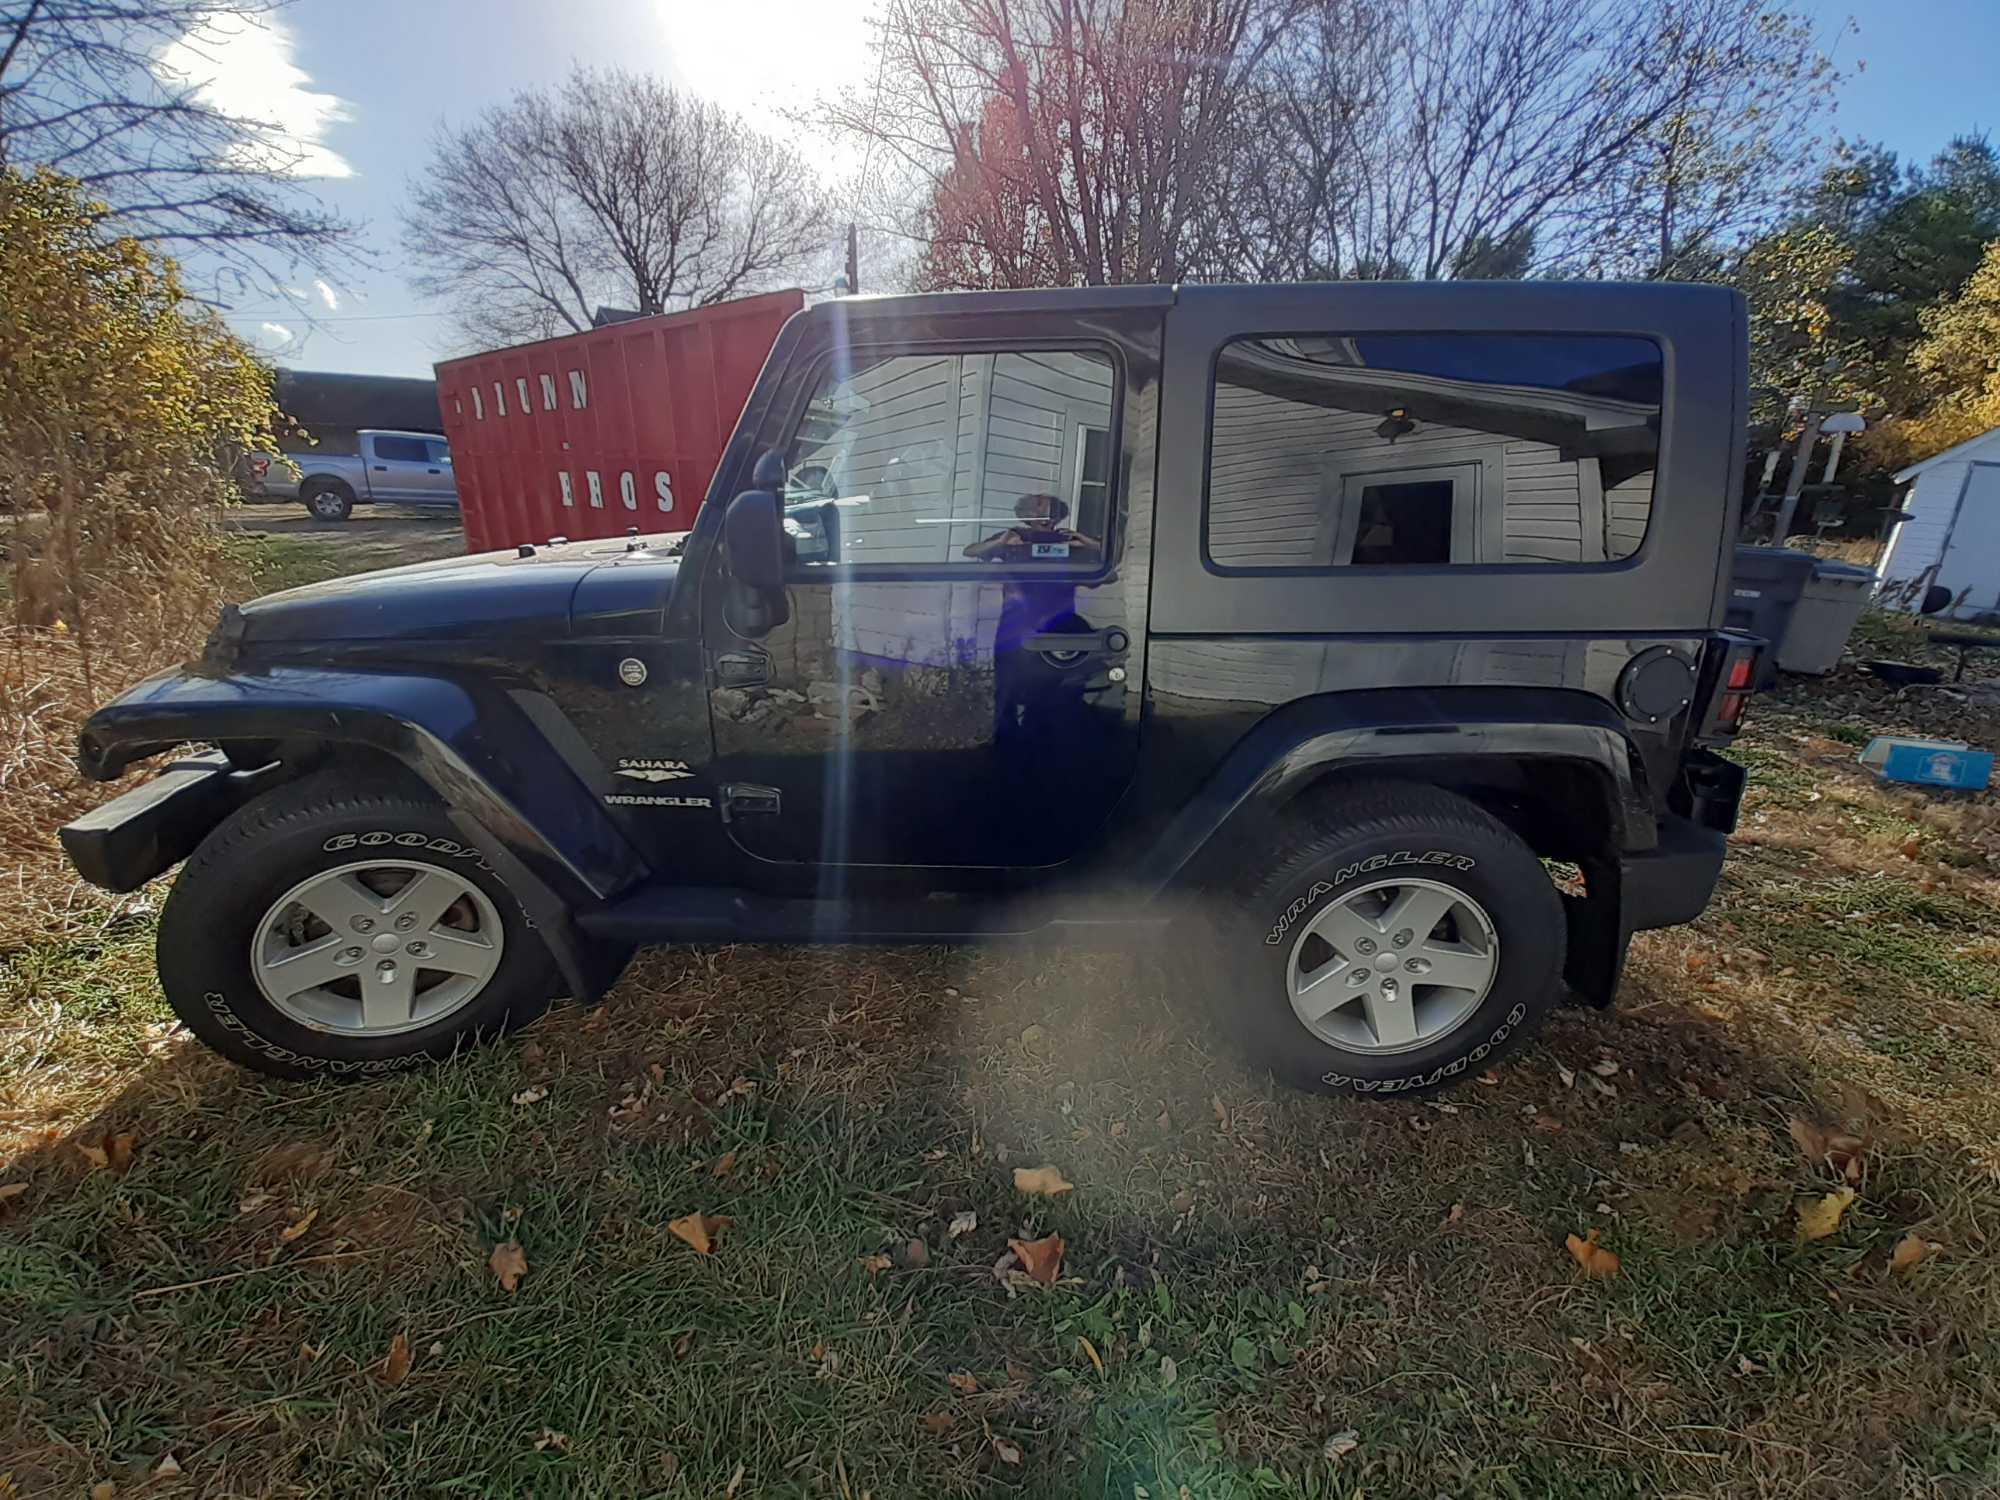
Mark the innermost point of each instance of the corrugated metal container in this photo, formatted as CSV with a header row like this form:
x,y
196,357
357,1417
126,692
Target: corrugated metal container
x,y
595,432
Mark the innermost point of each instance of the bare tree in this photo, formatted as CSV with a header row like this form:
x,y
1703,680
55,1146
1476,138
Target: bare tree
x,y
612,189
87,90
1088,140
1061,141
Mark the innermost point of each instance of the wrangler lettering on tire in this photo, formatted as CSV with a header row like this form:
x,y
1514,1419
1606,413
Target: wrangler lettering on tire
x,y
1410,936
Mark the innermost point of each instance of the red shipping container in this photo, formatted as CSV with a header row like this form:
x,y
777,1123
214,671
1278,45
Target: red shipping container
x,y
592,433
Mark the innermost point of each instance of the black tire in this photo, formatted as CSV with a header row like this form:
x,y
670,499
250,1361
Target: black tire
x,y
266,849
1349,841
327,499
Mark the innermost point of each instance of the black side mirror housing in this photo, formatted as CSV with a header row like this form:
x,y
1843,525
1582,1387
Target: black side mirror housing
x,y
754,542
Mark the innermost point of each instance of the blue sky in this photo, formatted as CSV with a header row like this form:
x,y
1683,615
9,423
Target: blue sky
x,y
365,82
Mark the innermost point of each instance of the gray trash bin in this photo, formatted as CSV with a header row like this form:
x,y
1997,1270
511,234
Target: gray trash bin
x,y
1763,592
1824,617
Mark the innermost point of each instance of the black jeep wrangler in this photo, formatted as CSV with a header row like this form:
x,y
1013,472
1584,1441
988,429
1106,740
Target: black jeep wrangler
x,y
1359,641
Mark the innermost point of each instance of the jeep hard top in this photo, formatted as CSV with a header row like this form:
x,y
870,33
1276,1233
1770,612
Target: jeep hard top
x,y
1359,641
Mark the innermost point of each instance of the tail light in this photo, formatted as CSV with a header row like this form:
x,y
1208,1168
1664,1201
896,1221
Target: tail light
x,y
1736,682
259,467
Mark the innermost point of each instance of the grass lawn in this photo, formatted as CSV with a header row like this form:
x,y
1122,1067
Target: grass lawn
x,y
1259,1294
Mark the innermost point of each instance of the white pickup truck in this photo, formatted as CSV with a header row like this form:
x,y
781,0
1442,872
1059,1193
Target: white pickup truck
x,y
400,468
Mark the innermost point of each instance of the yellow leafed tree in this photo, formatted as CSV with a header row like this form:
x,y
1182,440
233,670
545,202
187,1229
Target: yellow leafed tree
x,y
1958,361
123,406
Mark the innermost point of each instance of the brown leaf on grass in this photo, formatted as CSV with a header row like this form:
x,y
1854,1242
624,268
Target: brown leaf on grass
x,y
938,1422
1909,1252
964,1382
1046,1182
1457,1213
962,1225
1007,1452
12,1190
1837,1150
1041,1259
1593,1257
702,1232
913,1255
297,1227
1820,1217
396,1364
1912,848
1090,1352
113,1153
510,1263
874,1265
724,1165
549,1438
1547,1124
104,1489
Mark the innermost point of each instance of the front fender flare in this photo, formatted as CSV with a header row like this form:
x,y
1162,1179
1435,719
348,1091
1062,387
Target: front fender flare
x,y
472,743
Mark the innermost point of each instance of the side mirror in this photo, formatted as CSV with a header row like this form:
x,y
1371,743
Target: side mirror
x,y
753,542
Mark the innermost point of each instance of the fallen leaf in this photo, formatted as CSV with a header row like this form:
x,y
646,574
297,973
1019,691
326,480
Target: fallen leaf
x,y
1008,1453
1910,1250
12,1190
964,1382
396,1365
1340,1445
1090,1351
1117,1129
1821,1216
533,1094
874,1265
1547,1124
119,1149
962,1225
1598,1085
549,1438
701,1231
104,1489
735,1484
436,1349
1912,848
298,1227
724,1165
1041,1259
743,1088
1457,1213
251,1202
1047,1182
510,1263
1605,1067
1567,1075
97,1156
1593,1257
167,1468
1169,1371
915,1255
939,1422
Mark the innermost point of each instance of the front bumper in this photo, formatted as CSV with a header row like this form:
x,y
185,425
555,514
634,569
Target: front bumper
x,y
130,839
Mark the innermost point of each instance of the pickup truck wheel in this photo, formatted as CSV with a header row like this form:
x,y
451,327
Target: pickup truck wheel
x,y
332,929
1402,937
328,499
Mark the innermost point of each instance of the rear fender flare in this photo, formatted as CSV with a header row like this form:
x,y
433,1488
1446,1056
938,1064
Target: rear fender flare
x,y
1401,732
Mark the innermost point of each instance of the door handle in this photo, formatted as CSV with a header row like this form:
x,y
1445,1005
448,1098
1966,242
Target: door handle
x,y
741,669
434,471
1111,641
381,468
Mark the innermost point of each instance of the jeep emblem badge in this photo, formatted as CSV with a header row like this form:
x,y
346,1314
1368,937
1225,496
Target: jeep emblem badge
x,y
631,671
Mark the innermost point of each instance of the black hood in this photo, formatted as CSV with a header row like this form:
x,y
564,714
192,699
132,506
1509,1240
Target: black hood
x,y
491,595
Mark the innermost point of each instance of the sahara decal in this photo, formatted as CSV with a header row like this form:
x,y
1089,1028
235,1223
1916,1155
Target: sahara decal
x,y
627,799
232,1023
1367,866
653,770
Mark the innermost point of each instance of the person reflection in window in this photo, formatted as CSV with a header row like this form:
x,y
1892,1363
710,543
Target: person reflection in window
x,y
1039,525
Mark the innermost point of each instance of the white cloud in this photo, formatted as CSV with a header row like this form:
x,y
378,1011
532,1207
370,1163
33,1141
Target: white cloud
x,y
327,295
277,331
243,67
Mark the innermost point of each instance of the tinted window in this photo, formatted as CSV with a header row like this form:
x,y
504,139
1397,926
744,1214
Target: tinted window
x,y
436,451
967,459
1410,450
406,450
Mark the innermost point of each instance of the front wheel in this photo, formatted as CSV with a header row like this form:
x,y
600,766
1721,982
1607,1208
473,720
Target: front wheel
x,y
332,929
1399,938
329,500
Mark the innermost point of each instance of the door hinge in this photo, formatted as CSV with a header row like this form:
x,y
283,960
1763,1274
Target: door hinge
x,y
747,800
742,669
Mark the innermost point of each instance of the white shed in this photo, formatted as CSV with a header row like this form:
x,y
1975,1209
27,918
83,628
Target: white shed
x,y
1953,535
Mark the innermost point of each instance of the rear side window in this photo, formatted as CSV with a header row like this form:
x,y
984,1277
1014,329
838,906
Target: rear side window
x,y
401,450
1431,449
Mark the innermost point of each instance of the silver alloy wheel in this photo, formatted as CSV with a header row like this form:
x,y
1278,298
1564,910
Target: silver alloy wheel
x,y
378,947
325,504
1392,966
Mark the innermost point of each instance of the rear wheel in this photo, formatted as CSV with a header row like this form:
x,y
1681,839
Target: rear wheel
x,y
335,929
328,499
1402,936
